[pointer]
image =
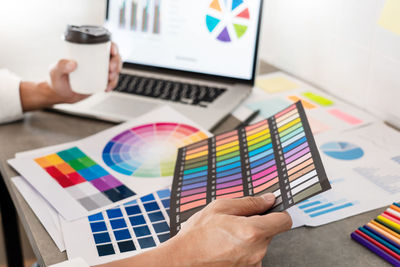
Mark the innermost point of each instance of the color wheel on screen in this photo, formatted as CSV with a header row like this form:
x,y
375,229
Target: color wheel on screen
x,y
342,150
228,19
149,150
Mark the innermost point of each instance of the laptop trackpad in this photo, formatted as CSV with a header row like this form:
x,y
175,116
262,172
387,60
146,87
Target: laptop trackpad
x,y
124,106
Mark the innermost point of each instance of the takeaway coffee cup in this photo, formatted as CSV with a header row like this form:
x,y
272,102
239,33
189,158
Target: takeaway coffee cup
x,y
90,47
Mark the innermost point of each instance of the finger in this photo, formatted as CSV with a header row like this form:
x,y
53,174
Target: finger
x,y
112,84
114,49
63,67
113,65
273,223
112,76
246,206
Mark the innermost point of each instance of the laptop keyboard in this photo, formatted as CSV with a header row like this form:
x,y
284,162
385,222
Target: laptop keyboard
x,y
187,93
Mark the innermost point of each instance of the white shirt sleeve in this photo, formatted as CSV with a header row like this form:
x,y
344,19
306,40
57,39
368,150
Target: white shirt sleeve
x,y
10,100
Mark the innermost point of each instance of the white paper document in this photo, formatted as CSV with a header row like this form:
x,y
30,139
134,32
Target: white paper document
x,y
119,164
46,214
364,173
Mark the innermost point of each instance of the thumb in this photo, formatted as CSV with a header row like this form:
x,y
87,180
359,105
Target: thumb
x,y
246,206
62,68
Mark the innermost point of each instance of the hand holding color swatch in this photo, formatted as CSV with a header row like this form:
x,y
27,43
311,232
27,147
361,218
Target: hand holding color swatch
x,y
277,155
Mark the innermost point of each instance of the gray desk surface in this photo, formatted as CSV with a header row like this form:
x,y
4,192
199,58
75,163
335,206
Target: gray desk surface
x,y
328,245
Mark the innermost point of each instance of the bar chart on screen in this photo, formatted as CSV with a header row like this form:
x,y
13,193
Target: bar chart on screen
x,y
142,16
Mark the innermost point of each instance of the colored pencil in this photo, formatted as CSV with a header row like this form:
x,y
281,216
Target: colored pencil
x,y
375,249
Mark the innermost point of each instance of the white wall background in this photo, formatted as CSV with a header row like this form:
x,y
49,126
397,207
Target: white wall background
x,y
31,31
337,45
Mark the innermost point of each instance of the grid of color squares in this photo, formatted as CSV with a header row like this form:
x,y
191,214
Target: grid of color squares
x,y
149,150
133,226
382,235
85,180
277,155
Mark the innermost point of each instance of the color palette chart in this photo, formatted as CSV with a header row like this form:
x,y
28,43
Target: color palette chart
x,y
382,235
149,150
85,180
276,155
120,232
227,30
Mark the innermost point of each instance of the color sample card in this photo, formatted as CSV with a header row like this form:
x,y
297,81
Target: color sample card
x,y
85,180
120,232
325,112
277,155
129,160
149,150
382,235
389,18
276,84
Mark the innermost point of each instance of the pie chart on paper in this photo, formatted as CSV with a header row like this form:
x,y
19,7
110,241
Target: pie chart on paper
x,y
150,150
342,150
228,20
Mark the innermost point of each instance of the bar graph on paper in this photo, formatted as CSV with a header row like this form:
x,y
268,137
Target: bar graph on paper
x,y
140,16
318,206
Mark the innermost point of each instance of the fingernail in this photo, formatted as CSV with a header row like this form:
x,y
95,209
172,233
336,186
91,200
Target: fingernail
x,y
268,197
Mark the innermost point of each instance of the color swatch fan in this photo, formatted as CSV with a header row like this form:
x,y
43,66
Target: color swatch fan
x,y
276,155
149,150
228,20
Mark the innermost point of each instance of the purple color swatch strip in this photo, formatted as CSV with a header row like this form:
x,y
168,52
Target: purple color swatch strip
x,y
194,191
229,178
233,183
191,186
262,167
298,155
297,149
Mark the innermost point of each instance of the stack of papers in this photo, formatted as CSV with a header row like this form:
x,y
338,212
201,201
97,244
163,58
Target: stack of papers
x,y
106,197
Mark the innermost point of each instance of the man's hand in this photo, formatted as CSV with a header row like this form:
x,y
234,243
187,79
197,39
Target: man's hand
x,y
228,232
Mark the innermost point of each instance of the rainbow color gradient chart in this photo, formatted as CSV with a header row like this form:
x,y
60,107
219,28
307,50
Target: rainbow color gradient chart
x,y
382,235
228,20
120,232
276,155
86,181
149,150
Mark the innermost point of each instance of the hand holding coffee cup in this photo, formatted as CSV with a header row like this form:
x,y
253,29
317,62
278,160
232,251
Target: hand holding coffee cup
x,y
90,48
60,78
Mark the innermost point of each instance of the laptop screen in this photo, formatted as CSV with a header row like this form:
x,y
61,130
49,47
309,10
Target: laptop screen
x,y
216,37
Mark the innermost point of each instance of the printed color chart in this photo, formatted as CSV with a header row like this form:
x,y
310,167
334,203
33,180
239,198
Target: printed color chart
x,y
149,150
382,235
122,231
277,155
86,181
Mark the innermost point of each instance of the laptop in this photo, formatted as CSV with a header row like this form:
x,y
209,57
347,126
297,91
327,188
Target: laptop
x,y
198,56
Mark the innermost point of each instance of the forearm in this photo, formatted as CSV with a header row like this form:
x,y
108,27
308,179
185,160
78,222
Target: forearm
x,y
37,96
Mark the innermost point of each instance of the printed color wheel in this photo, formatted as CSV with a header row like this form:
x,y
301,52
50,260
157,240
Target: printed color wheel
x,y
149,150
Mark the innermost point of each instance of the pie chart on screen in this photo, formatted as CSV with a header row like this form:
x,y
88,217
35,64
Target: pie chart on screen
x,y
149,150
228,20
342,150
